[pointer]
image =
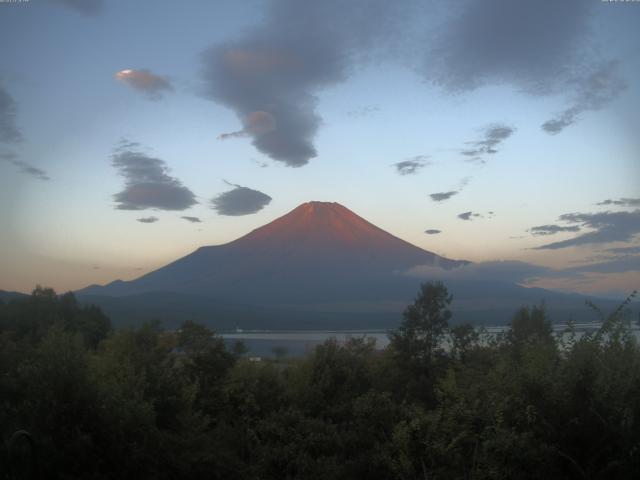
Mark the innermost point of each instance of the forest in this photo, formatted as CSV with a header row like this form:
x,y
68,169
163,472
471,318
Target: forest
x,y
82,400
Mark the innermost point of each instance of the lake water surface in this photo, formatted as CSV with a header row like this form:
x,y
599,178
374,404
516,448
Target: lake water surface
x,y
294,343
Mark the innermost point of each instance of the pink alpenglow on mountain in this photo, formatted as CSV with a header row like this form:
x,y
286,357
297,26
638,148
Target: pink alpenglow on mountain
x,y
320,251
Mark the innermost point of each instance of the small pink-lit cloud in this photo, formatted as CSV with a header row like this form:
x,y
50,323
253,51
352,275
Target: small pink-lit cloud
x,y
152,85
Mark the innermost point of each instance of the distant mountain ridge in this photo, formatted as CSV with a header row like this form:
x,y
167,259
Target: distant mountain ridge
x,y
6,296
312,253
319,266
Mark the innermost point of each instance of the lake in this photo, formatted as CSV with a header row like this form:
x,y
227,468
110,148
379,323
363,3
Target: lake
x,y
296,343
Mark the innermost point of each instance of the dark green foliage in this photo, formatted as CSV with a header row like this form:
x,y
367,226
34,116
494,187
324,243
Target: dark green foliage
x,y
530,325
419,337
417,345
438,403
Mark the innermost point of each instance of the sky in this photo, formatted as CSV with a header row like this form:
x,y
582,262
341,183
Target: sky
x,y
500,132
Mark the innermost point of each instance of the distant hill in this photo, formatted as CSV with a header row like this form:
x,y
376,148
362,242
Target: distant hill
x,y
319,266
7,296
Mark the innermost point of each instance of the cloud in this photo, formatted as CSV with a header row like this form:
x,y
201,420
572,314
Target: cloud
x,y
442,196
591,93
493,136
495,271
255,124
240,201
607,226
85,7
24,167
152,85
432,231
523,273
540,47
279,66
260,164
468,215
411,166
553,229
192,219
9,132
629,263
533,45
148,220
625,250
147,183
623,202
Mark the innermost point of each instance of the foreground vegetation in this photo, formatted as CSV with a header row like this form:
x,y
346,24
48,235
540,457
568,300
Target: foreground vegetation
x,y
147,403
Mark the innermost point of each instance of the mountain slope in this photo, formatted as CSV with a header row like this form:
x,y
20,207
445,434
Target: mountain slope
x,y
317,252
319,266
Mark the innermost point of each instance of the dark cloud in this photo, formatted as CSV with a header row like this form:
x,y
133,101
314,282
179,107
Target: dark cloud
x,y
442,196
148,220
607,227
192,219
411,166
623,202
432,231
553,229
534,44
147,183
521,272
625,250
541,47
629,263
493,136
254,124
9,132
468,215
240,201
591,93
24,167
278,67
152,85
85,7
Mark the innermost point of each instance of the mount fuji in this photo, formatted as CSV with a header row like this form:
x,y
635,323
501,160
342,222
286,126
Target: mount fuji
x,y
318,266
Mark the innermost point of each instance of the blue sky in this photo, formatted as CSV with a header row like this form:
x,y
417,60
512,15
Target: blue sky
x,y
344,92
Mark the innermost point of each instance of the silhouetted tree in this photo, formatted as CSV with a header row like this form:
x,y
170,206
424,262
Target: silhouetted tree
x,y
425,323
530,325
463,338
417,342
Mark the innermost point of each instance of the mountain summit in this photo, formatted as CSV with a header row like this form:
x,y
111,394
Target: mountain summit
x,y
332,231
320,251
319,266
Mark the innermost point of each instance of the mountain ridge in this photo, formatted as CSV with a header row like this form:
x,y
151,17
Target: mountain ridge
x,y
318,266
315,243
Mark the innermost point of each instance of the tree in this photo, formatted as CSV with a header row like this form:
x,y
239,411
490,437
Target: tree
x,y
425,323
463,338
205,361
416,346
530,326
